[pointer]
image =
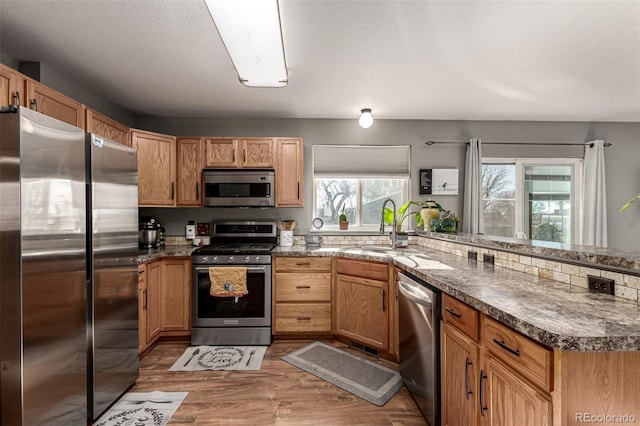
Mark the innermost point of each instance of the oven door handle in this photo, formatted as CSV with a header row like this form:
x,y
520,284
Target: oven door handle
x,y
262,269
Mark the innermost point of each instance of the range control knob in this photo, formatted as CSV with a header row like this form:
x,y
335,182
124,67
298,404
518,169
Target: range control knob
x,y
257,259
205,259
230,259
247,259
215,259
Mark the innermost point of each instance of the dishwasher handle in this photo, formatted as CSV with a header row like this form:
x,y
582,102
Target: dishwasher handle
x,y
415,293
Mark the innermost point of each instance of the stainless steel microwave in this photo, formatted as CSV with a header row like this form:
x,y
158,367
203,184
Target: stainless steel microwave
x,y
238,188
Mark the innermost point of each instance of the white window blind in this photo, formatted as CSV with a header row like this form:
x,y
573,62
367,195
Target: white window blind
x,y
361,160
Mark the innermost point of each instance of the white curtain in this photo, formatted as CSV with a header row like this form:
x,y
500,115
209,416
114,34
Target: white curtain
x,y
594,196
472,218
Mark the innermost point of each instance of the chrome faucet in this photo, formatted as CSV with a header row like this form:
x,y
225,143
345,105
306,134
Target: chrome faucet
x,y
394,237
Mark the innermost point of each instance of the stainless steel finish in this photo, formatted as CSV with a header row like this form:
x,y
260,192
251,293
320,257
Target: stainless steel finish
x,y
113,245
230,336
394,237
231,260
239,178
148,236
419,323
43,346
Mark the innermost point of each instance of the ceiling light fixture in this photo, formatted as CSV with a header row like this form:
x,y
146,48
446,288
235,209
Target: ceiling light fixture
x,y
252,35
366,119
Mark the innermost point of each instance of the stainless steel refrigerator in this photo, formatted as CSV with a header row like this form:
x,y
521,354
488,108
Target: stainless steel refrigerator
x,y
68,305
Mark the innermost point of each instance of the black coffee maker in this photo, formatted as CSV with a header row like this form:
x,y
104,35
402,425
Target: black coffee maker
x,y
149,233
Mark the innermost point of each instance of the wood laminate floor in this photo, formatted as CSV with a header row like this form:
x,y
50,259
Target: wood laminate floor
x,y
277,394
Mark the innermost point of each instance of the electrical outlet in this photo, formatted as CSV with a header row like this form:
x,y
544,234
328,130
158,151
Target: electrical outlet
x,y
488,258
472,255
600,285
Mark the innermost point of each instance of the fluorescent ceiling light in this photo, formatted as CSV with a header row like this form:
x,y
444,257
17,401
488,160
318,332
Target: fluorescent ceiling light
x,y
251,33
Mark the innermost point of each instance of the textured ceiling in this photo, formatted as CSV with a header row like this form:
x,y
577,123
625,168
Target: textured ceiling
x,y
468,60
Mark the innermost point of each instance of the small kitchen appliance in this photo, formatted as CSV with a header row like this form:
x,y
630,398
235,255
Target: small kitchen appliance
x,y
149,233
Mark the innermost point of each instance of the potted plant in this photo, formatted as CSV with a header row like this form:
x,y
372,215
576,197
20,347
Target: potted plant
x,y
403,213
344,223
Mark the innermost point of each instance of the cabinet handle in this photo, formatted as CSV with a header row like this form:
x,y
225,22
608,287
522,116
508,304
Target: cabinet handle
x,y
467,391
504,346
244,156
233,156
483,407
303,263
383,296
298,190
454,313
34,104
144,304
197,191
172,190
303,318
16,98
303,286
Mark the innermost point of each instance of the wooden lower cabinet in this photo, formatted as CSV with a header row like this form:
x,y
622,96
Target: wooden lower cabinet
x,y
459,369
154,283
164,304
302,294
175,296
507,399
361,302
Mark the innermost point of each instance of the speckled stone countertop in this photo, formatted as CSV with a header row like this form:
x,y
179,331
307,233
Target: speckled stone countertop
x,y
625,260
550,312
146,255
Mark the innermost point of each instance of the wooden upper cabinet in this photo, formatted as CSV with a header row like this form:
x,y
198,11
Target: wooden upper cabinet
x,y
107,127
54,104
220,153
156,168
11,87
257,153
189,171
289,175
251,153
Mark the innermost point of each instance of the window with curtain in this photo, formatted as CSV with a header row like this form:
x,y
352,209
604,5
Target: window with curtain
x,y
535,197
358,179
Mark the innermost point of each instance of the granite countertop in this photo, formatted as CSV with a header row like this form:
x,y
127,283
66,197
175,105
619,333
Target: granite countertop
x,y
146,255
550,312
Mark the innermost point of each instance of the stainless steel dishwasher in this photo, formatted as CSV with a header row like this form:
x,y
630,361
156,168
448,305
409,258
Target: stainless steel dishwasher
x,y
419,324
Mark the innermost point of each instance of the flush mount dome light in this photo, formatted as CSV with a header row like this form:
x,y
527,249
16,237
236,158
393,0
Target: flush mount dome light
x,y
366,119
252,35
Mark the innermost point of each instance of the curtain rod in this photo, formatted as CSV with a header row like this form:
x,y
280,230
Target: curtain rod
x,y
429,142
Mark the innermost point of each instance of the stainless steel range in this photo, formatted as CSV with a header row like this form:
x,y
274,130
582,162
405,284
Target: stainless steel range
x,y
228,320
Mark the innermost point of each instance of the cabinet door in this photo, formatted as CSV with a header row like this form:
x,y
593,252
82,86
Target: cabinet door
x,y
142,308
11,87
221,153
508,399
459,378
154,280
257,153
156,168
189,171
394,325
174,300
107,127
54,104
288,170
362,310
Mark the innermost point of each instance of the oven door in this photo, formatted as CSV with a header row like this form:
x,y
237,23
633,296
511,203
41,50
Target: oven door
x,y
251,310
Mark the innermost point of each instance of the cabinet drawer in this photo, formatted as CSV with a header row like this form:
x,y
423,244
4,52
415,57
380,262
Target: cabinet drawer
x,y
302,264
355,268
303,287
519,352
303,318
461,315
